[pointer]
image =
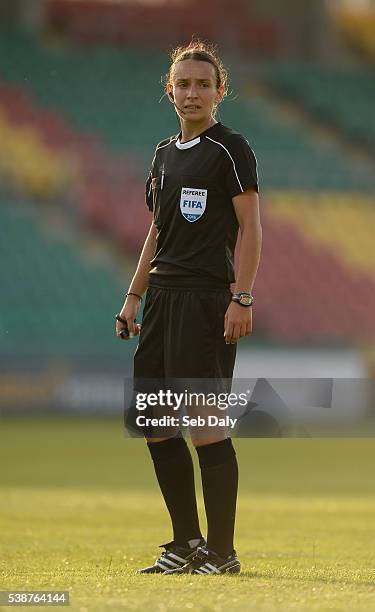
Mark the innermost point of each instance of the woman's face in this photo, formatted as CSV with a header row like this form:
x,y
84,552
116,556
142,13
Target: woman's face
x,y
194,89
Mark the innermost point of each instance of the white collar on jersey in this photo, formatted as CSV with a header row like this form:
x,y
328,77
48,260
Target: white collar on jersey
x,y
188,144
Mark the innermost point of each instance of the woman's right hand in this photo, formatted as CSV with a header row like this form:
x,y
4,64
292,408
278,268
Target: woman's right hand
x,y
129,313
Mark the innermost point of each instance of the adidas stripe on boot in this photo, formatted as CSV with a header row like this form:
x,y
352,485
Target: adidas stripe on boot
x,y
173,557
207,562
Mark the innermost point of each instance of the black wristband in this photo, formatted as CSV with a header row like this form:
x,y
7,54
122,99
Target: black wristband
x,y
136,295
119,318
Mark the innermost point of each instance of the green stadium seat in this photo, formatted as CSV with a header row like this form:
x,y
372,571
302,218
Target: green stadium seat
x,y
55,301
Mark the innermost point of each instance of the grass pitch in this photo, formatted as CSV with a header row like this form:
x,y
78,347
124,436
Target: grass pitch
x,y
81,511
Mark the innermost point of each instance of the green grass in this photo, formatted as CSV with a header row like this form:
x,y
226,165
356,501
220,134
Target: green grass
x,y
80,511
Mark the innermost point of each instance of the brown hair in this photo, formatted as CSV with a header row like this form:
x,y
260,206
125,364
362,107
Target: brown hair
x,y
202,52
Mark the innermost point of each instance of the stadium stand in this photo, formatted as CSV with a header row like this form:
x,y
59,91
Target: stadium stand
x,y
318,259
341,223
341,97
313,196
357,28
45,158
26,165
53,299
288,157
141,24
112,101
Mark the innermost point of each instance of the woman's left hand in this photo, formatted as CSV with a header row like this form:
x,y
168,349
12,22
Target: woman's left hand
x,y
238,322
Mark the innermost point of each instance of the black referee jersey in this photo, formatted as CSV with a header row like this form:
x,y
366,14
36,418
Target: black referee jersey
x,y
190,189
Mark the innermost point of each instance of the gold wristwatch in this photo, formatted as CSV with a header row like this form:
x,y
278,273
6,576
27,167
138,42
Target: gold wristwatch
x,y
244,299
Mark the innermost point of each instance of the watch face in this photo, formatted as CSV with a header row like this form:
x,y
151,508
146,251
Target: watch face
x,y
246,300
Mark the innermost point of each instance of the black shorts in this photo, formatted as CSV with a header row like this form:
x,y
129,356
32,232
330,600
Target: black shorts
x,y
182,334
181,346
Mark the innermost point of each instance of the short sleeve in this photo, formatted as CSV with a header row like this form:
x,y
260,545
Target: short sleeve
x,y
240,166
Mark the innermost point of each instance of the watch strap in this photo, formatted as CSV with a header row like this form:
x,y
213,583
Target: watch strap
x,y
243,298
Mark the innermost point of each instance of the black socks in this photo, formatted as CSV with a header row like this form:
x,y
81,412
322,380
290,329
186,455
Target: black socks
x,y
175,473
219,469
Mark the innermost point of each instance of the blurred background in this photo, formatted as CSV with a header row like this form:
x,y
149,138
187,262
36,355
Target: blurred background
x,y
81,110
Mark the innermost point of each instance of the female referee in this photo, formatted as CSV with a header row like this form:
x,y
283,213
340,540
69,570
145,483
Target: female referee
x,y
202,188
